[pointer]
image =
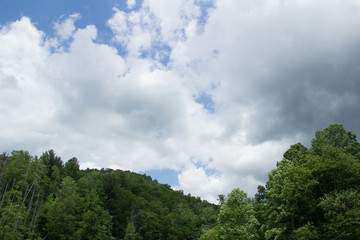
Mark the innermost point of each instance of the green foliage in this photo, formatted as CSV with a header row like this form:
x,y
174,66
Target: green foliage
x,y
131,233
336,136
76,214
9,215
307,232
342,214
63,213
72,169
95,220
296,153
41,198
211,234
304,191
260,208
157,212
16,166
237,217
49,159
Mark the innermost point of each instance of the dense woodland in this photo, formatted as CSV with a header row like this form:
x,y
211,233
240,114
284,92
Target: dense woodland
x,y
313,193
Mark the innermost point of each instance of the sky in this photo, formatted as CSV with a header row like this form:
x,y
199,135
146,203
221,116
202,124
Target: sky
x,y
202,95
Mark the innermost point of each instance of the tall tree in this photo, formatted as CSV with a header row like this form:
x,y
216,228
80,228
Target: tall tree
x,y
295,189
72,169
342,215
63,213
237,217
336,136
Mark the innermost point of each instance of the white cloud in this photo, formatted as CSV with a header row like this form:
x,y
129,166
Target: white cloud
x,y
270,71
131,3
66,28
173,16
194,180
24,95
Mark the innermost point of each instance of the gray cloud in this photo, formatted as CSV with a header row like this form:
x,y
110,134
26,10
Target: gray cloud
x,y
295,67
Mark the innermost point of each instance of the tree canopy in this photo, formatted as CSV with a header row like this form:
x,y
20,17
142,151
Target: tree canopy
x,y
306,195
45,198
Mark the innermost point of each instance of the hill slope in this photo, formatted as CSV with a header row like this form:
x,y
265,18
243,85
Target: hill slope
x,y
42,197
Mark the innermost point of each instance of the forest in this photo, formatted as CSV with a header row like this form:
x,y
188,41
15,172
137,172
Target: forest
x,y
312,193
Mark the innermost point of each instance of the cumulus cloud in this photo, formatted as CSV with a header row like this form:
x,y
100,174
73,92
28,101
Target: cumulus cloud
x,y
131,3
196,181
25,106
66,28
281,68
275,72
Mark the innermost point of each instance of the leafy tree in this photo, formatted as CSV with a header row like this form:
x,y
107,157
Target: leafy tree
x,y
131,233
342,214
148,223
16,167
334,170
277,215
291,202
72,169
336,136
307,232
211,234
260,208
182,222
53,167
297,153
237,217
20,181
3,162
9,214
63,213
50,159
95,220
208,216
76,213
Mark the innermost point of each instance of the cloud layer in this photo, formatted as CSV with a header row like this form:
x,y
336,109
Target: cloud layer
x,y
274,71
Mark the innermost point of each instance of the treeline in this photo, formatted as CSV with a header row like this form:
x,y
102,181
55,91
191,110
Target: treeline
x,y
311,194
42,198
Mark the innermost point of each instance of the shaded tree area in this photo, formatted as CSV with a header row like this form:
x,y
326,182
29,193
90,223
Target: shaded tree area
x,y
43,198
314,193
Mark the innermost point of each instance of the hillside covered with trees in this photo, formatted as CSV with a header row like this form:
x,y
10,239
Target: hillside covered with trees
x,y
313,193
42,198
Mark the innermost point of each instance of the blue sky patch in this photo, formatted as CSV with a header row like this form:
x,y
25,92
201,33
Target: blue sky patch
x,y
204,5
44,14
207,101
208,171
164,176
